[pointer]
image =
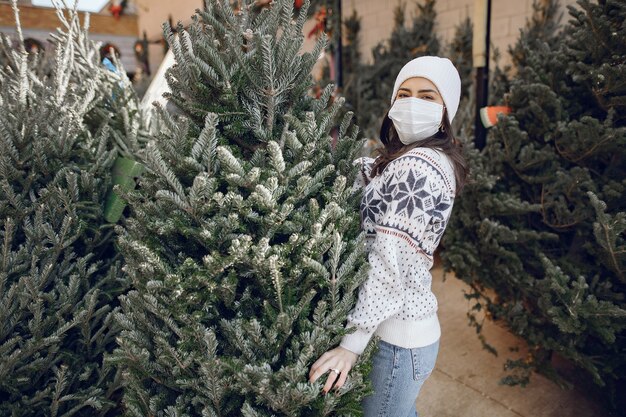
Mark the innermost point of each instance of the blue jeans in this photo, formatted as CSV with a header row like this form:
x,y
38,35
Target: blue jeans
x,y
397,376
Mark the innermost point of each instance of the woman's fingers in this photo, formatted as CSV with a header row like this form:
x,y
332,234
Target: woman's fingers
x,y
314,375
319,371
332,377
342,379
339,359
318,363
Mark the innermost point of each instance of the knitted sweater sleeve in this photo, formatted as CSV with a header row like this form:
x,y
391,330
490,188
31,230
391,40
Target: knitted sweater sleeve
x,y
365,168
407,199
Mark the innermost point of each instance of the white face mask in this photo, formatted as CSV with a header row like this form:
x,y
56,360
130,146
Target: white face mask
x,y
415,119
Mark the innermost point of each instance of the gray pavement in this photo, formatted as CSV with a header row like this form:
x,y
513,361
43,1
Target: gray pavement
x,y
465,382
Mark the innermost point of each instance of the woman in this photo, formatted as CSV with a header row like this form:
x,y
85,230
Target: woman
x,y
407,201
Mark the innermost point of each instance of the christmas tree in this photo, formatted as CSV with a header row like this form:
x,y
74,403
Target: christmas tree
x,y
352,64
59,270
539,234
406,42
326,18
459,51
244,246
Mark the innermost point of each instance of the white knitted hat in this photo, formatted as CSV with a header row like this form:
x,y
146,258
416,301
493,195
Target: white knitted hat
x,y
441,72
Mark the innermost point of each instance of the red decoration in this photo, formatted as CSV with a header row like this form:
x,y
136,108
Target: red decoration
x,y
320,22
117,8
298,3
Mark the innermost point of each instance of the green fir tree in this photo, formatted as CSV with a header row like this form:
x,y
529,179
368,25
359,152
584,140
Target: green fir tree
x,y
539,233
460,53
541,31
244,245
59,270
352,64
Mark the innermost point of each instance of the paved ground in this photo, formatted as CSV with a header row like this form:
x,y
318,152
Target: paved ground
x,y
465,381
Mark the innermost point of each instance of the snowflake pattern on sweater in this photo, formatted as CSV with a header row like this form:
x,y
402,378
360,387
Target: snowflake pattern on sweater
x,y
404,214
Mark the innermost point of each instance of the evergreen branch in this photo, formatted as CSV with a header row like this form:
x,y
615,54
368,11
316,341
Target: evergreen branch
x,y
18,27
23,89
299,169
276,156
292,142
606,235
207,143
335,254
274,265
321,103
207,70
174,198
215,64
158,165
270,90
65,55
8,236
349,263
545,216
229,161
309,59
345,123
302,17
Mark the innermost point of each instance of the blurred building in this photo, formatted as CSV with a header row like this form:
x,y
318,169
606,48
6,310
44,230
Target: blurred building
x,y
507,18
134,28
38,22
138,32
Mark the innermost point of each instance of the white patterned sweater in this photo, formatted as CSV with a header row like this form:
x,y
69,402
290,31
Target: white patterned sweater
x,y
404,212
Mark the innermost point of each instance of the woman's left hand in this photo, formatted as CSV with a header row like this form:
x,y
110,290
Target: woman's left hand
x,y
338,361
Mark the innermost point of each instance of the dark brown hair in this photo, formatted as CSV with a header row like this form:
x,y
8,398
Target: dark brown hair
x,y
443,140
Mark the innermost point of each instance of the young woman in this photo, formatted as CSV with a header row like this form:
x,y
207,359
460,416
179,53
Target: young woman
x,y
407,201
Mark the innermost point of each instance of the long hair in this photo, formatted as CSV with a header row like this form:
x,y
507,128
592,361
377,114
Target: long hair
x,y
443,140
